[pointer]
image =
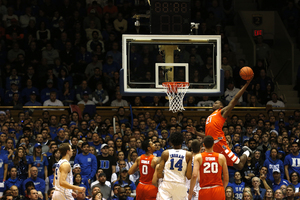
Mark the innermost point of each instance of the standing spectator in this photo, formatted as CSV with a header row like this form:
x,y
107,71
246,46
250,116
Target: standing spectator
x,y
68,94
38,160
91,17
120,24
90,69
106,162
94,41
231,91
278,181
3,171
238,186
24,19
263,50
85,100
106,191
83,58
89,31
43,35
19,161
257,192
291,161
115,53
68,56
272,163
39,183
110,67
12,54
13,180
111,9
87,162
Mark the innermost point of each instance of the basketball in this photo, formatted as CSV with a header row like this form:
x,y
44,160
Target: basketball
x,y
246,73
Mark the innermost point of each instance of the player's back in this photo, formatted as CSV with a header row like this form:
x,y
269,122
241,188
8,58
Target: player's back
x,y
146,171
210,170
214,125
69,179
176,166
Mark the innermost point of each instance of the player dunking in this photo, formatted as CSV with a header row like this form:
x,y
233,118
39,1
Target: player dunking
x,y
214,125
63,178
209,166
177,166
146,164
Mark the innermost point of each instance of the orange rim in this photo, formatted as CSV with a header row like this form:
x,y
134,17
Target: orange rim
x,y
175,84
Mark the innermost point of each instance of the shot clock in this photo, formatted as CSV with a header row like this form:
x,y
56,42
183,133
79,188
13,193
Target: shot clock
x,y
171,17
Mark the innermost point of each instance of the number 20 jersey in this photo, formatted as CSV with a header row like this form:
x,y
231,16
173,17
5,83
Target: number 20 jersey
x,y
175,167
210,170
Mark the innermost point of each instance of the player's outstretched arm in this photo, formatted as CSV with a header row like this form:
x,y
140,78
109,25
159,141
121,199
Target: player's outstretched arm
x,y
189,169
164,157
223,163
135,166
64,170
195,175
194,131
226,110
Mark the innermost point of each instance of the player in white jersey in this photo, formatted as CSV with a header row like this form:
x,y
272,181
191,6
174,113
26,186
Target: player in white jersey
x,y
195,150
63,178
175,166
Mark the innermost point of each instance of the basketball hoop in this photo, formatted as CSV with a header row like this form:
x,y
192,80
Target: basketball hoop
x,y
176,92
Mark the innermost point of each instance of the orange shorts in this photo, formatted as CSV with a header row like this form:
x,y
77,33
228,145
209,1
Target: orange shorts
x,y
216,193
223,148
146,192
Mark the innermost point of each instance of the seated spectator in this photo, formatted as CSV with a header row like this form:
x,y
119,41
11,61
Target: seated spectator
x,y
78,181
15,192
62,78
83,58
100,96
24,19
120,24
275,102
89,31
238,186
16,102
91,16
263,50
92,43
111,9
83,87
53,101
68,94
50,54
7,18
26,92
85,100
119,102
124,180
278,181
115,53
105,190
90,68
12,54
96,182
60,44
253,102
9,94
231,91
43,35
45,93
68,57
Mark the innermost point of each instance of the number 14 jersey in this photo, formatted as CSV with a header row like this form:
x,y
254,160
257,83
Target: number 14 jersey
x,y
175,167
210,170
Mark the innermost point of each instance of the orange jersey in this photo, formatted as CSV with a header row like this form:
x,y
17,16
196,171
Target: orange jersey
x,y
146,171
210,170
214,125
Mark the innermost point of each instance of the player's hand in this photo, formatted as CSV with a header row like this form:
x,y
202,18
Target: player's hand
x,y
190,196
250,79
81,189
74,194
190,129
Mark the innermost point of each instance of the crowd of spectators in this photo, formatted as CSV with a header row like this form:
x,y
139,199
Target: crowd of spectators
x,y
69,52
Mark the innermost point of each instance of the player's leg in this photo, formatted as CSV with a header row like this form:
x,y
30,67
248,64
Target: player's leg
x,y
139,191
231,158
243,158
179,192
58,196
150,192
217,193
164,191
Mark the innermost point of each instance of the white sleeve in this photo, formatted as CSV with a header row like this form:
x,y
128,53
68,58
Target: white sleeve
x,y
113,177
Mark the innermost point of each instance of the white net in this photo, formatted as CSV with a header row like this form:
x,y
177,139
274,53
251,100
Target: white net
x,y
176,92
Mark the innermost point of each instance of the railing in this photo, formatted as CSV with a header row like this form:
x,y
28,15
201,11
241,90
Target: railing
x,y
284,49
249,46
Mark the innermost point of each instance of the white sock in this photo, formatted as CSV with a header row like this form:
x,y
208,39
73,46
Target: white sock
x,y
247,153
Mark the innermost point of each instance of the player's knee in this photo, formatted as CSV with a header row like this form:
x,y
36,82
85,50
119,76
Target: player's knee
x,y
239,166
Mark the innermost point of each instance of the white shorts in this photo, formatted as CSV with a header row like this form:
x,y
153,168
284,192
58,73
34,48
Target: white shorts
x,y
57,195
172,191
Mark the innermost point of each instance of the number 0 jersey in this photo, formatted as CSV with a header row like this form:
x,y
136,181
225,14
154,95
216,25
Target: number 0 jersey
x,y
210,170
146,171
214,125
175,167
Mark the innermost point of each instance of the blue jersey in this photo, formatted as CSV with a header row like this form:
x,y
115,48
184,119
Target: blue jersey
x,y
123,184
39,164
273,164
3,162
51,177
10,182
237,189
158,153
39,184
277,186
293,163
296,187
88,164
